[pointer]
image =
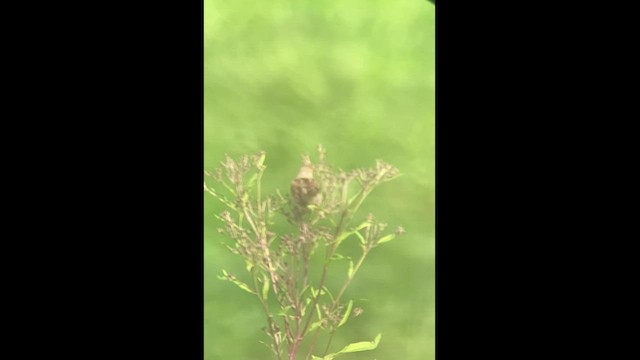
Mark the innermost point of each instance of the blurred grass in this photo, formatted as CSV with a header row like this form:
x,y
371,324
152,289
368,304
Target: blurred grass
x,y
358,77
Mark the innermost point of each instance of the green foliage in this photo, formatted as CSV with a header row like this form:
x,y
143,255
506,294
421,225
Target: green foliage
x,y
355,347
357,76
319,211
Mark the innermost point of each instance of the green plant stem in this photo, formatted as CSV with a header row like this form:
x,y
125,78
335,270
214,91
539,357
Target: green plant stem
x,y
339,229
270,320
336,300
326,348
323,278
313,341
250,221
294,293
265,248
345,218
258,192
261,238
349,279
325,268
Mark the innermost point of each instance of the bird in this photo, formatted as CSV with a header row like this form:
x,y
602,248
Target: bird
x,y
305,191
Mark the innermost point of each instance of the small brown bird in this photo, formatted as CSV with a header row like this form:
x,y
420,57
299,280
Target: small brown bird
x,y
305,190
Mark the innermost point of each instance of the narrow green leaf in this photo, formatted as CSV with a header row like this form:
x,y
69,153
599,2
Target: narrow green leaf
x,y
314,326
363,225
337,256
239,283
362,240
356,230
350,272
354,197
361,346
228,246
265,286
346,314
231,190
304,308
272,239
343,236
384,239
243,286
283,312
268,345
355,347
252,181
325,290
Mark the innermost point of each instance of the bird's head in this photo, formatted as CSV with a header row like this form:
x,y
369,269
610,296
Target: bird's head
x,y
306,172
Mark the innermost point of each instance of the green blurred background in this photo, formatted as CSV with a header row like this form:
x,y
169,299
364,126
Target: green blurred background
x,y
357,76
